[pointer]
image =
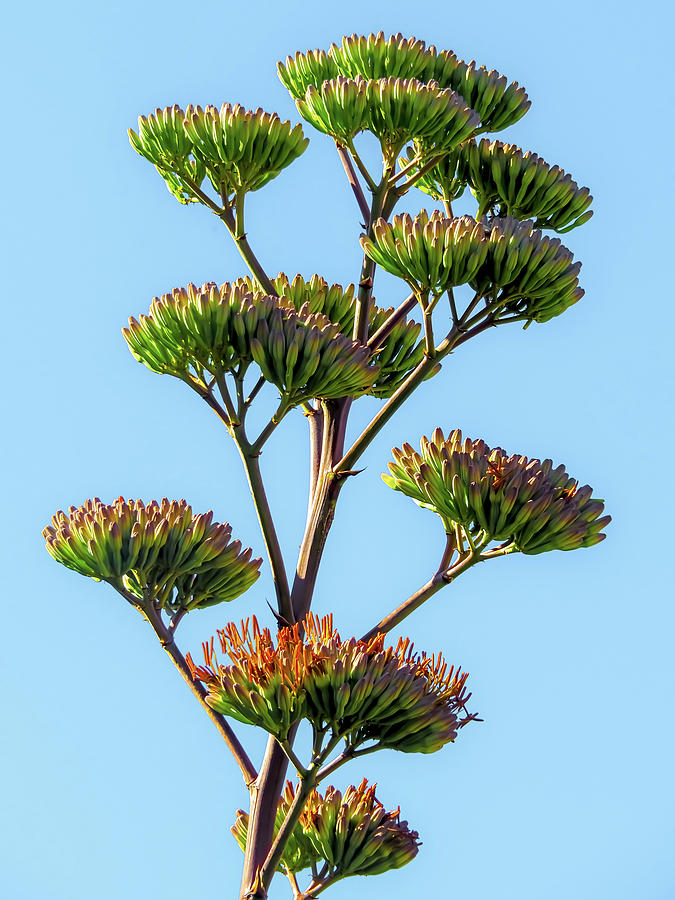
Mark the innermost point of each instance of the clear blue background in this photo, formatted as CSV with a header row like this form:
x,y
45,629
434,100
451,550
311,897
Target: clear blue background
x,y
115,783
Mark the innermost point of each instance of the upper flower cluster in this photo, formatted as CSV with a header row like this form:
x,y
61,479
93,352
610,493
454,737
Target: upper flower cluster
x,y
495,103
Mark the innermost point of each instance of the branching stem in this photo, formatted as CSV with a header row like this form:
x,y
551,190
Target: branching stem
x,y
354,182
442,577
166,639
386,328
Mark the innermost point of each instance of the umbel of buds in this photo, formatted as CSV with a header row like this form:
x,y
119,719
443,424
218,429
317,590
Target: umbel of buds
x,y
396,110
520,270
156,551
524,186
432,253
396,356
239,150
359,691
508,182
219,329
527,504
351,833
496,103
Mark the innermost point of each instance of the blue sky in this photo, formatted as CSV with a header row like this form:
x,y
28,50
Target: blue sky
x,y
116,784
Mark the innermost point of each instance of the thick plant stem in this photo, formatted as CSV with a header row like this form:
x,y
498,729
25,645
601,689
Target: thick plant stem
x,y
269,785
324,487
315,421
322,510
251,461
364,296
167,641
265,794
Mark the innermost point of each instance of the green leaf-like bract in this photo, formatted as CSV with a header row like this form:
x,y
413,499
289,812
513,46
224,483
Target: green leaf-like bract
x,y
521,502
156,551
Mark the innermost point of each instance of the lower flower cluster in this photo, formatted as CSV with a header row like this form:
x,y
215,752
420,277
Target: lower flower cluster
x,y
358,690
351,833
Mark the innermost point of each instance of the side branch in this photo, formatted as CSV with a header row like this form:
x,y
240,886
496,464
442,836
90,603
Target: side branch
x,y
354,182
392,405
433,586
385,329
167,641
236,228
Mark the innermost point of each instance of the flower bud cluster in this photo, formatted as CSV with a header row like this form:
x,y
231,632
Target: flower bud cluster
x,y
520,271
360,691
524,185
352,833
157,551
217,329
523,502
355,834
431,252
396,110
239,150
396,356
496,103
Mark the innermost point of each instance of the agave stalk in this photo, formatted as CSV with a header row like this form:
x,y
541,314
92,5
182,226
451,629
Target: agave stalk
x,y
321,347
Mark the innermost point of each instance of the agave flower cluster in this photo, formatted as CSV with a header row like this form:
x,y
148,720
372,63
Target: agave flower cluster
x,y
356,835
239,150
519,270
527,504
221,329
506,180
391,61
351,833
396,110
431,252
524,186
396,356
156,551
356,690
